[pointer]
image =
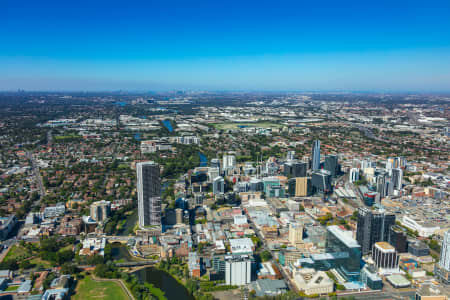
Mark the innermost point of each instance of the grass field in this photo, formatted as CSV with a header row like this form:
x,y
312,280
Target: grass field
x,y
88,289
17,251
231,125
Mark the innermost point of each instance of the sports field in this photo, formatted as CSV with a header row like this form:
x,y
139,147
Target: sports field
x,y
88,289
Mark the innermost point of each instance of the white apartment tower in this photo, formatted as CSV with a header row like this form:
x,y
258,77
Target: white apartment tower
x,y
445,252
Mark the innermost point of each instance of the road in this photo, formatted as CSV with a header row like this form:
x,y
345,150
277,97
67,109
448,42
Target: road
x,y
37,176
286,277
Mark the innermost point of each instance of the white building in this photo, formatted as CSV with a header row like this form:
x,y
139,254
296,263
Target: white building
x,y
241,246
445,252
54,211
238,270
92,246
295,233
423,229
353,175
229,161
240,220
313,282
385,258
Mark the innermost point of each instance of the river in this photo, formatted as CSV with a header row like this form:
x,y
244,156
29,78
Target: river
x,y
164,281
203,160
130,223
168,125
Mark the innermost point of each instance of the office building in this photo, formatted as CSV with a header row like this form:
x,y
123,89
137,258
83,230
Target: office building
x,y
353,175
382,188
100,210
444,262
321,181
290,155
372,227
243,246
370,278
312,282
346,252
418,248
215,163
385,258
331,164
218,185
179,215
299,187
398,238
295,233
397,177
238,270
315,156
149,193
295,169
229,161
7,224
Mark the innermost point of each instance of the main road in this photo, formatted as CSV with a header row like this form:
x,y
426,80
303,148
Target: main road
x,y
37,176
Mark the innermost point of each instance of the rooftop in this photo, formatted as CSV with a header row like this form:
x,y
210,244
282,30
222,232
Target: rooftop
x,y
344,236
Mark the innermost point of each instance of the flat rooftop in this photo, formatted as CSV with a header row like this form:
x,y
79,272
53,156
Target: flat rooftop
x,y
344,236
385,246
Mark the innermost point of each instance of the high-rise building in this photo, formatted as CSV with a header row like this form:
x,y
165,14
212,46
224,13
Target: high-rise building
x,y
295,233
179,215
100,210
346,252
218,185
373,227
315,155
299,187
229,161
215,163
445,252
295,168
238,270
398,238
353,175
321,181
331,164
149,193
385,257
290,155
397,176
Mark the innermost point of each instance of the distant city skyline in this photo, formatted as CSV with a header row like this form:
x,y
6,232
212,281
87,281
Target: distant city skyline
x,y
235,45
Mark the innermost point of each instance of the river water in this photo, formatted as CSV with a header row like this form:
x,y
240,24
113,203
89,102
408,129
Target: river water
x,y
160,279
168,125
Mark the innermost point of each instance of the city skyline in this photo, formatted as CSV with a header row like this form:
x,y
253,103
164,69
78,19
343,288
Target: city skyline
x,y
290,46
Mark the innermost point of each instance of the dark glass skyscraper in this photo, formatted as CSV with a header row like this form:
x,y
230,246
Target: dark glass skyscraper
x,y
315,155
321,181
149,193
331,164
295,168
373,227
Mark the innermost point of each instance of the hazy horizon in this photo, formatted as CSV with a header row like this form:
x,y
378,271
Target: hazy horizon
x,y
387,46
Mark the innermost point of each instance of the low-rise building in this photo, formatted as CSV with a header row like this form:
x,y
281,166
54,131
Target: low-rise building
x,y
312,282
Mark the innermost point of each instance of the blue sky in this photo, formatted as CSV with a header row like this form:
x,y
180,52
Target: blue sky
x,y
235,45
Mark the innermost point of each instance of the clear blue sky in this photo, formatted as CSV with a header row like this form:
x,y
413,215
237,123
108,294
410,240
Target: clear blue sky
x,y
225,44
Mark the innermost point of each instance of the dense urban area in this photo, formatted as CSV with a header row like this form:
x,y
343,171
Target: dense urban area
x,y
202,195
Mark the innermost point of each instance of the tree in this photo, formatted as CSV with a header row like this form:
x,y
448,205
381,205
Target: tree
x,y
101,270
69,268
266,255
